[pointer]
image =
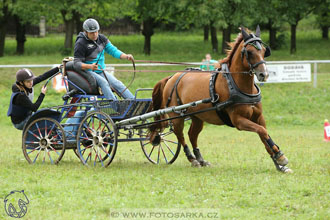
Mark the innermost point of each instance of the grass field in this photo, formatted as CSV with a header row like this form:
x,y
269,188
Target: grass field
x,y
242,182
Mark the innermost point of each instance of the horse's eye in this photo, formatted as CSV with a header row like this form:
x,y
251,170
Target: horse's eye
x,y
250,53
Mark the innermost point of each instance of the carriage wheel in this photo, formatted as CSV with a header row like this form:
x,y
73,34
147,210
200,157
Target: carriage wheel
x,y
164,149
44,140
97,139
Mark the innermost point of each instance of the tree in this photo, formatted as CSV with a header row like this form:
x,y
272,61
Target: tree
x,y
323,17
200,13
71,12
149,12
295,14
4,15
21,11
234,14
206,30
268,14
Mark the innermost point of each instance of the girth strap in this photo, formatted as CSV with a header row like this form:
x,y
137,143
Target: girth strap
x,y
179,102
223,115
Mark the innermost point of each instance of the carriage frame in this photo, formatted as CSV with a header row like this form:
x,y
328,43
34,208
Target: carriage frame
x,y
92,127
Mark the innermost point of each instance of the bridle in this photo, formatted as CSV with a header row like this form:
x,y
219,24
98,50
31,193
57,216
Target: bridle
x,y
257,43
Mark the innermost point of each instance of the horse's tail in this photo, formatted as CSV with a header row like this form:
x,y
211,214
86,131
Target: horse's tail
x,y
157,103
157,94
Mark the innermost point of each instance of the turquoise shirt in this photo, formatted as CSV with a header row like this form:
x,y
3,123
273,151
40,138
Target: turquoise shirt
x,y
207,65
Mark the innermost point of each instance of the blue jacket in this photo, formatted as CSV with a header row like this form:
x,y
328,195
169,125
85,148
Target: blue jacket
x,y
88,51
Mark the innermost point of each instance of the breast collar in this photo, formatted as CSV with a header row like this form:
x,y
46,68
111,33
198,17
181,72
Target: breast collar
x,y
236,96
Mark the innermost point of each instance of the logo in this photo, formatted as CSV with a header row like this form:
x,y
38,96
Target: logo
x,y
90,46
14,199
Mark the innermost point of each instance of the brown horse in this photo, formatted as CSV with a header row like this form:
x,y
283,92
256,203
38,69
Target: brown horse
x,y
244,60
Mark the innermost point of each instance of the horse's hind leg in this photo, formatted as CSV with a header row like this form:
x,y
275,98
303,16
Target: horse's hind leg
x,y
178,125
194,130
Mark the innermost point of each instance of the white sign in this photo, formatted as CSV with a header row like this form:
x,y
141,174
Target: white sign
x,y
281,73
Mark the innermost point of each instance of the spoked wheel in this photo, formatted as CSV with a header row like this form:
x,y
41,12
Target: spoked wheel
x,y
44,140
164,149
97,139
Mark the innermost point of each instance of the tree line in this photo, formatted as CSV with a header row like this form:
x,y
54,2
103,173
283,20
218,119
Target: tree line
x,y
213,16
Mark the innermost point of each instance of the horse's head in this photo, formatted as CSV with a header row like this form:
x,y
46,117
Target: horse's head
x,y
253,53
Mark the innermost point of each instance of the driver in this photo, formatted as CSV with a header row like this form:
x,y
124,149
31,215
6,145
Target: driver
x,y
89,56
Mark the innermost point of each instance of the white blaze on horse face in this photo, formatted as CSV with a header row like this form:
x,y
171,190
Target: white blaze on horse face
x,y
261,71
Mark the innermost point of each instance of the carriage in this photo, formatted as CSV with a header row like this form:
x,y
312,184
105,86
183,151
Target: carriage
x,y
86,123
93,128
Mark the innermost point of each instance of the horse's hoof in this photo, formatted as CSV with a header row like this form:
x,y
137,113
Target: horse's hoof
x,y
205,163
285,169
282,160
195,163
288,170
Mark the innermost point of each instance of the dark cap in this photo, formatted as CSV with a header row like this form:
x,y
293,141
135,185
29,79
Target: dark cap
x,y
24,74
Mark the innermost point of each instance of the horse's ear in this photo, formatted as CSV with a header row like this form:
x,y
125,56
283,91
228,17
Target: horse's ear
x,y
244,33
258,31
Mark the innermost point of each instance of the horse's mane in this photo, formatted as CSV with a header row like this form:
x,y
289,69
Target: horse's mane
x,y
233,48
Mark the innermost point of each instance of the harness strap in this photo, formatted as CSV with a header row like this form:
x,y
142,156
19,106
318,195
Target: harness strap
x,y
236,95
214,96
223,115
176,91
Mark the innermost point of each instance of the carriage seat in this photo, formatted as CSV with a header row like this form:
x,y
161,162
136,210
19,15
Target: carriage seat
x,y
86,82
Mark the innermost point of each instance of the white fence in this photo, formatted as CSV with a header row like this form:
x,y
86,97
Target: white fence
x,y
314,62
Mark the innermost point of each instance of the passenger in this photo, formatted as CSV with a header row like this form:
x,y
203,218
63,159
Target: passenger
x,y
89,56
21,103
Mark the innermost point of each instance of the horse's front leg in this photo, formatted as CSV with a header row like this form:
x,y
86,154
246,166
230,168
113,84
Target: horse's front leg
x,y
279,159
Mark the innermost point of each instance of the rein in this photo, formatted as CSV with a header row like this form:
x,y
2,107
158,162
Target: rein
x,y
134,73
163,62
170,71
175,71
254,40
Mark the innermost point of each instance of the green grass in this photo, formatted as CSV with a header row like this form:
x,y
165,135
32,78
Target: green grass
x,y
242,182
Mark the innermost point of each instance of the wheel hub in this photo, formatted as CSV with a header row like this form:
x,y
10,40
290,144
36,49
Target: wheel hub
x,y
97,140
44,143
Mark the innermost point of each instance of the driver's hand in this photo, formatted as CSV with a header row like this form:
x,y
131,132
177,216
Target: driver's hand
x,y
129,57
93,66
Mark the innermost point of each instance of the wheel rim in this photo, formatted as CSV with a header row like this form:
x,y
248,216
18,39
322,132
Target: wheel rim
x,y
97,140
43,141
166,151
